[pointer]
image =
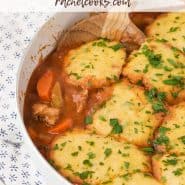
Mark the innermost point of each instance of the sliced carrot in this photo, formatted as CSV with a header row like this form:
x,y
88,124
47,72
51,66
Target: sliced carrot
x,y
44,85
61,126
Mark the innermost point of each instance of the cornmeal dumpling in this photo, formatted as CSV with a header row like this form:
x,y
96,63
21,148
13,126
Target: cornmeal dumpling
x,y
158,65
127,115
95,64
93,159
171,136
133,179
169,169
169,28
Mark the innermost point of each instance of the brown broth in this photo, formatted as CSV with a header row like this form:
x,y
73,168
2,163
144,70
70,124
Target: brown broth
x,y
55,62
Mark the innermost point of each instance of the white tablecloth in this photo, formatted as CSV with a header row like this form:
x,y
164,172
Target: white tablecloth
x,y
16,164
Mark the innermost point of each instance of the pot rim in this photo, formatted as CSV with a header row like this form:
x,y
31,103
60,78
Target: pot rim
x,y
27,139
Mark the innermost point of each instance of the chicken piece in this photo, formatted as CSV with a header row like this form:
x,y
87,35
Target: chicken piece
x,y
98,98
46,114
80,98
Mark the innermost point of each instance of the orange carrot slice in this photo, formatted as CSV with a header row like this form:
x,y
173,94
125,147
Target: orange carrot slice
x,y
44,85
62,126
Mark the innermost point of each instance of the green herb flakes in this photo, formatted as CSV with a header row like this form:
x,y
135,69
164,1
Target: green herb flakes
x,y
178,171
148,150
155,60
56,147
172,162
116,127
162,40
173,29
126,165
91,155
84,175
182,139
116,47
108,152
88,120
74,154
76,75
102,118
174,81
91,143
87,163
162,139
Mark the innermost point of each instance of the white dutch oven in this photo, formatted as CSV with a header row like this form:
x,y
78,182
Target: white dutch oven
x,y
43,44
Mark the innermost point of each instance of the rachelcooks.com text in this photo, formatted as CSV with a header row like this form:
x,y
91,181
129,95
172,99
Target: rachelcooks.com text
x,y
93,3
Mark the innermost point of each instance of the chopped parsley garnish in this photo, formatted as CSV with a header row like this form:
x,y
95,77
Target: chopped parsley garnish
x,y
175,94
84,175
116,127
68,167
158,107
178,171
173,29
161,40
155,60
174,81
139,82
108,152
182,139
88,120
145,70
156,98
101,163
162,138
136,130
172,62
175,49
63,144
148,150
172,162
102,118
101,43
175,64
126,165
161,96
163,130
176,125
87,163
166,68
116,79
76,75
56,147
151,94
91,143
116,47
74,154
91,155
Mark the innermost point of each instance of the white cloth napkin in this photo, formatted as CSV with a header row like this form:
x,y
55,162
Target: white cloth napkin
x,y
16,32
